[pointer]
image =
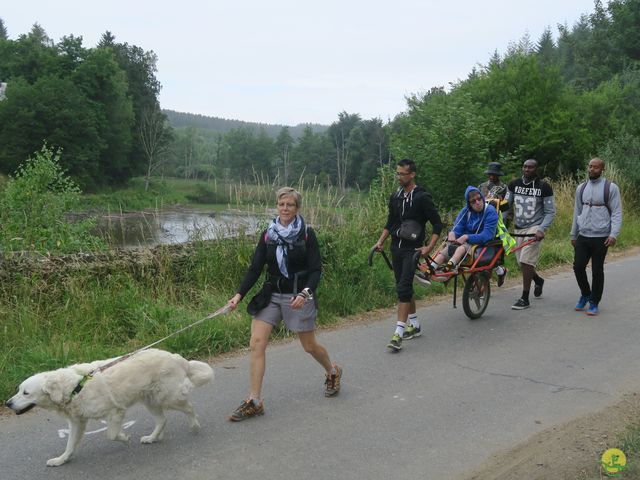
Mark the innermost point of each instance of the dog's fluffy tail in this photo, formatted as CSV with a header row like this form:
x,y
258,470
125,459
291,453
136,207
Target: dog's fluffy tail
x,y
199,373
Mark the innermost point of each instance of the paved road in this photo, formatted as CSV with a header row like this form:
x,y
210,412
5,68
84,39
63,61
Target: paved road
x,y
444,404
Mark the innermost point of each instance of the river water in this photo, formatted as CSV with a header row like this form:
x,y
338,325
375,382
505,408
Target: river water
x,y
131,230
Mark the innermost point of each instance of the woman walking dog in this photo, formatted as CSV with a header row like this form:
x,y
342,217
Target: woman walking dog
x,y
289,249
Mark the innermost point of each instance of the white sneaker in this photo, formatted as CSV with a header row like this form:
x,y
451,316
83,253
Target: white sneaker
x,y
422,278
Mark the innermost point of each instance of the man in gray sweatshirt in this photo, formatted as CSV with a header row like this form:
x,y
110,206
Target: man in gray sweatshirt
x,y
596,225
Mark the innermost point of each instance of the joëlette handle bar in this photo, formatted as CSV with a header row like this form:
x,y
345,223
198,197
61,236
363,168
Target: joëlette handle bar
x,y
417,255
429,258
524,244
384,255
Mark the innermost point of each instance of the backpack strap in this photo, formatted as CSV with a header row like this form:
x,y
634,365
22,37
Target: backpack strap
x,y
581,188
607,190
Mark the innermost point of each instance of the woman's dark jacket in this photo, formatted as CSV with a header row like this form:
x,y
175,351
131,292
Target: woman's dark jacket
x,y
304,259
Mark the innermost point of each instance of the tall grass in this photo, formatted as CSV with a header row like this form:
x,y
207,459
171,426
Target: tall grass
x,y
253,192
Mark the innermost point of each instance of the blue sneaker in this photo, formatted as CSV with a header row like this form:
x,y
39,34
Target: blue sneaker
x,y
582,302
593,309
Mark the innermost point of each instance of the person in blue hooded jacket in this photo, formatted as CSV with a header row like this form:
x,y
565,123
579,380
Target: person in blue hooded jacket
x,y
475,225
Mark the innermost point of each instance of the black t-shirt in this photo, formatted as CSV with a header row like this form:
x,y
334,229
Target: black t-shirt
x,y
532,202
416,205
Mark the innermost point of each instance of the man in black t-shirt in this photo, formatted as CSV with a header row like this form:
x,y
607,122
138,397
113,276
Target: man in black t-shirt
x,y
410,208
533,212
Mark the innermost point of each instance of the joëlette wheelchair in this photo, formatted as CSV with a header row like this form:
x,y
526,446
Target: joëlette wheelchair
x,y
475,270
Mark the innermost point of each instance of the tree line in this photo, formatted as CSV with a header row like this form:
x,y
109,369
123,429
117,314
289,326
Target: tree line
x,y
560,99
99,105
225,125
348,153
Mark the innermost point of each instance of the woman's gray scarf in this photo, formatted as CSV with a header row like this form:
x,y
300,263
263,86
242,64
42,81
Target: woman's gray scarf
x,y
284,237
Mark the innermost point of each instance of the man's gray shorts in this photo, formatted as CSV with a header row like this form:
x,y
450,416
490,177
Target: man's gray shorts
x,y
301,320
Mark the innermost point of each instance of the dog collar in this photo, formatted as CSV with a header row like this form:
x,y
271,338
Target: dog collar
x,y
80,385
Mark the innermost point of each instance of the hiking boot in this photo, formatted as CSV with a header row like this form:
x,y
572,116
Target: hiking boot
x,y
537,290
425,268
502,277
582,302
520,304
422,278
332,382
247,409
396,343
449,266
411,332
593,309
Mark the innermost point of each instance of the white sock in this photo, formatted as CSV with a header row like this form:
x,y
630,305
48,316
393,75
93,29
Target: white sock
x,y
255,400
413,320
499,270
400,326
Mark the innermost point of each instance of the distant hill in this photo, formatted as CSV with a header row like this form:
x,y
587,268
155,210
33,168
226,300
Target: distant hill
x,y
223,125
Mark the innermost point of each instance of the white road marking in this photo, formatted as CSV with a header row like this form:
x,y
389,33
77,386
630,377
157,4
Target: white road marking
x,y
63,432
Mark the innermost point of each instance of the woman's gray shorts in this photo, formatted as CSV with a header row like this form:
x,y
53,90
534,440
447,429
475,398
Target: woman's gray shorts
x,y
301,320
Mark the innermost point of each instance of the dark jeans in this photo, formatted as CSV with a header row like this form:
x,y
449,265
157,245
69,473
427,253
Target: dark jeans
x,y
594,249
404,269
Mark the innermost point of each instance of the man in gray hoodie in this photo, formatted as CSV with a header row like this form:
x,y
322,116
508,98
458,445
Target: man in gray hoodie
x,y
597,219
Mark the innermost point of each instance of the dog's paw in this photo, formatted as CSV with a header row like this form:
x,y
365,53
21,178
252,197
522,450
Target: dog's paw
x,y
56,462
194,426
123,438
148,439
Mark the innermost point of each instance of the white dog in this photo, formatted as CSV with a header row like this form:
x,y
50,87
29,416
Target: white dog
x,y
159,380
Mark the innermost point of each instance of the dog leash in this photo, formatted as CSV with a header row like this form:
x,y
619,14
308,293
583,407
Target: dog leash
x,y
220,311
90,375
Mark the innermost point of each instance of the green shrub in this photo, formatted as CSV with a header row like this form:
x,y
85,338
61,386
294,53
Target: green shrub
x,y
33,208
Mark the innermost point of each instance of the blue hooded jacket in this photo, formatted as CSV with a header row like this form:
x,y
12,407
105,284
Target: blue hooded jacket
x,y
480,227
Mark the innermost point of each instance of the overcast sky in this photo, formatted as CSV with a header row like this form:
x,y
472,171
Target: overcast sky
x,y
294,61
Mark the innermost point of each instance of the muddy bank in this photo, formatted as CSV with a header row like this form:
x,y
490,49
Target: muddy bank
x,y
140,262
